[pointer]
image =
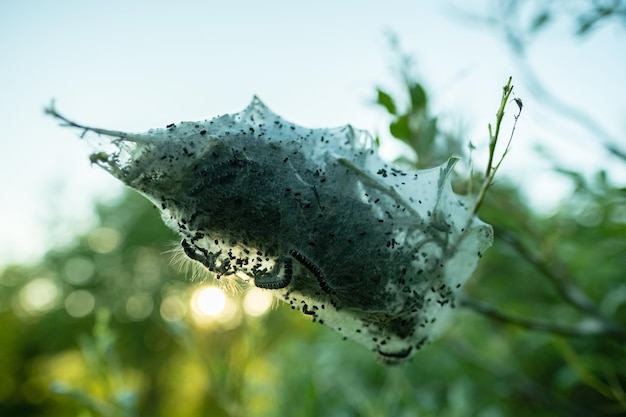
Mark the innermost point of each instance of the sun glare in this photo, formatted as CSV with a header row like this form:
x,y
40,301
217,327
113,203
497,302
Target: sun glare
x,y
208,301
211,306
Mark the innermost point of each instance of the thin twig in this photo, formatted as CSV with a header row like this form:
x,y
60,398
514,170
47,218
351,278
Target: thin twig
x,y
491,170
565,285
372,182
588,377
535,392
493,137
52,111
540,325
616,151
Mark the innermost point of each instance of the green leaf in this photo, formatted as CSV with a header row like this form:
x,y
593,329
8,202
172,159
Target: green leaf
x,y
418,96
540,21
385,100
400,128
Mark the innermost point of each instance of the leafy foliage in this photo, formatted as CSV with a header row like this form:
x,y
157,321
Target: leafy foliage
x,y
413,123
106,327
523,22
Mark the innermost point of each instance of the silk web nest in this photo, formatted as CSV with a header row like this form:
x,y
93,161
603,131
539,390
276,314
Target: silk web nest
x,y
313,216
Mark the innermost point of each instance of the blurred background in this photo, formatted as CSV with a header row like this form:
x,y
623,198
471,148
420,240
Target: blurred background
x,y
95,319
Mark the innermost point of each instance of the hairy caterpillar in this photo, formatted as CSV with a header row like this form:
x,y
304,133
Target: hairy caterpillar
x,y
312,215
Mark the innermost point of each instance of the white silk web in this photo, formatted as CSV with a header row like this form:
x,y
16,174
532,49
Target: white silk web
x,y
314,216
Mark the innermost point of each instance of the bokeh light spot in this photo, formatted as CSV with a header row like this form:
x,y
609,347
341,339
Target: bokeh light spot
x,y
139,306
78,270
103,240
210,306
79,303
38,296
256,302
172,308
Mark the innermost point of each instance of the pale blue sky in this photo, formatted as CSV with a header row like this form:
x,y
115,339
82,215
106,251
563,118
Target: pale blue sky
x,y
136,65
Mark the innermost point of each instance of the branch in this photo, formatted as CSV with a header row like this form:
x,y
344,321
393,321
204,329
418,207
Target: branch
x,y
599,329
617,152
565,286
52,111
531,390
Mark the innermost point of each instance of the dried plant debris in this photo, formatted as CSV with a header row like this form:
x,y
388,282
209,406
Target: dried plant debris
x,y
314,216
